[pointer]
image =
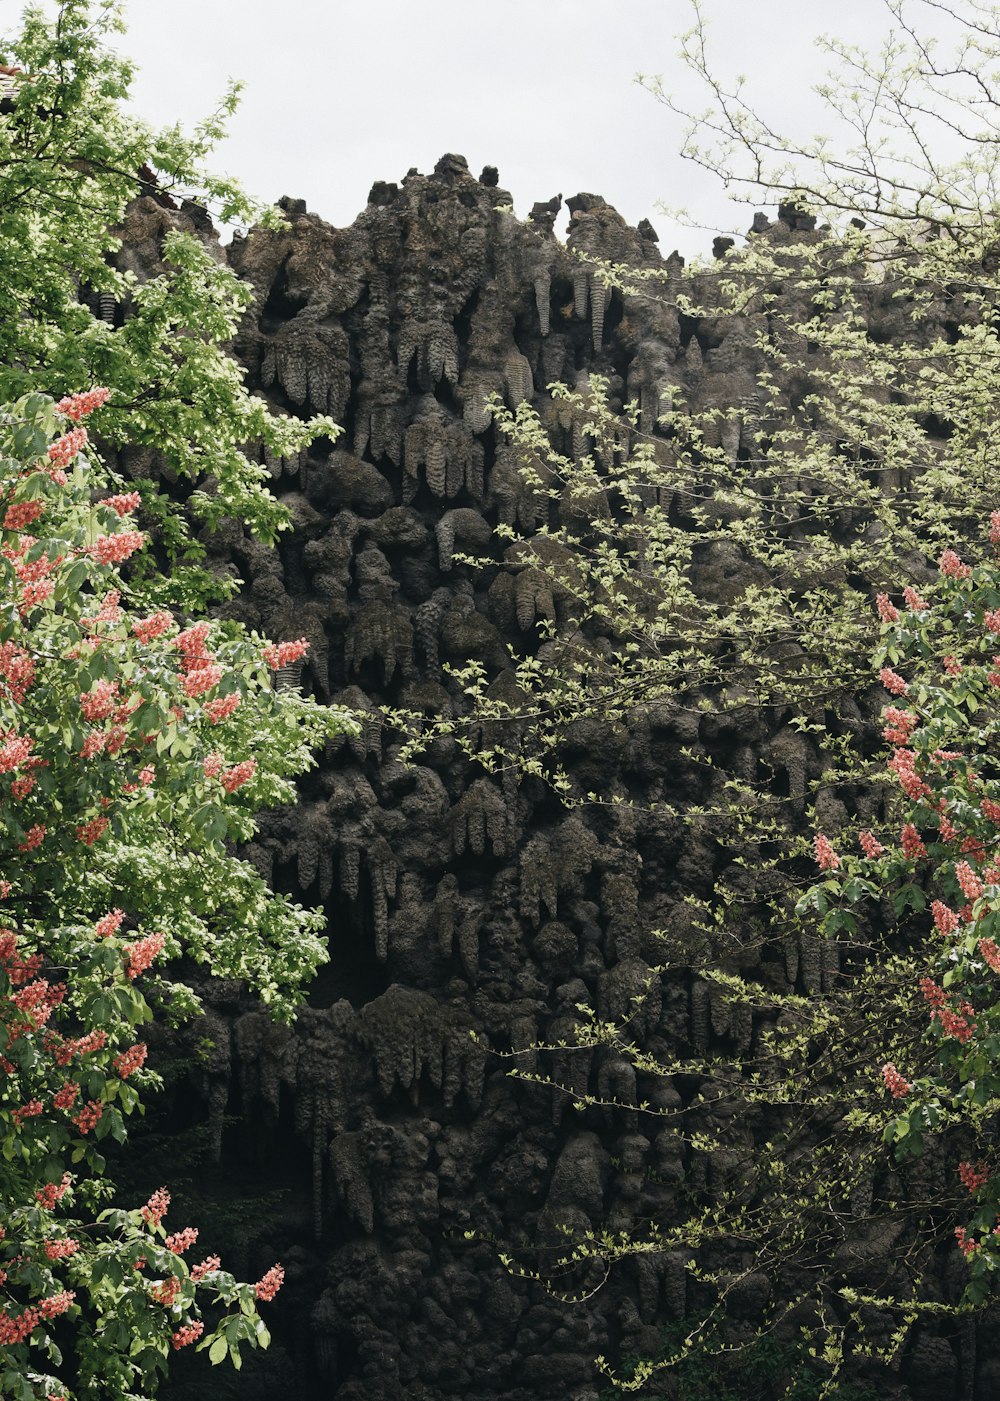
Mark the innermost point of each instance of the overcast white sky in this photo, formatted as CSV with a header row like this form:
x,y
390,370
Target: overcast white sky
x,y
344,92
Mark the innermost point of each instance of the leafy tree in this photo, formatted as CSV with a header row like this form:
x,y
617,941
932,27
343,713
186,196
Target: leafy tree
x,y
136,743
132,752
72,158
862,451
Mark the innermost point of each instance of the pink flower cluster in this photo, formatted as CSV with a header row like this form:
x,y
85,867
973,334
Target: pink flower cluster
x,y
897,1085
89,1116
267,1287
156,1208
973,1175
222,707
77,406
990,953
893,682
966,1245
870,845
190,1333
143,954
914,601
952,567
17,668
61,1249
278,654
913,847
53,1192
100,701
15,1327
114,549
124,503
945,919
899,726
92,831
904,765
64,449
165,1291
958,1024
132,1059
202,679
155,625
238,775
886,611
56,1304
182,1240
972,886
15,750
109,924
22,514
826,858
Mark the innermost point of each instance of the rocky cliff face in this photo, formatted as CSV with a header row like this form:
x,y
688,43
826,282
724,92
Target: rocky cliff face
x,y
460,902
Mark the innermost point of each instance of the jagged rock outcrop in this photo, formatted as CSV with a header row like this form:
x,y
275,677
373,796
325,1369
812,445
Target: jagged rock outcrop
x,y
469,915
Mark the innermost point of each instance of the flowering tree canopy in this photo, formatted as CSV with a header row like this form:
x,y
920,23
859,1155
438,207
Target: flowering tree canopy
x,y
136,743
132,751
940,658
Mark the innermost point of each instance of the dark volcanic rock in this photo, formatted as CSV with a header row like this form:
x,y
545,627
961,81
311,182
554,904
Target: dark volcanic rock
x,y
460,902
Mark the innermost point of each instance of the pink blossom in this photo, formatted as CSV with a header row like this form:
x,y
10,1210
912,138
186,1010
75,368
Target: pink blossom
x,y
972,886
280,654
132,1059
886,611
156,1208
222,707
914,601
89,1116
267,1287
913,847
945,919
113,549
202,679
895,1083
190,1333
973,1175
99,702
22,513
182,1240
952,567
242,773
143,954
870,845
123,504
990,953
155,625
77,406
64,449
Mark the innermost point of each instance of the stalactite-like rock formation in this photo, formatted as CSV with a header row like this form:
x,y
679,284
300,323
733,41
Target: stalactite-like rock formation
x,y
460,903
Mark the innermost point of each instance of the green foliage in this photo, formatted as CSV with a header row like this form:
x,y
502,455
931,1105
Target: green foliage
x,y
714,556
72,158
760,1370
133,754
134,750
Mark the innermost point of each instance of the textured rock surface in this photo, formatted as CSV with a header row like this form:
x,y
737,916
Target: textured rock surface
x,y
456,901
